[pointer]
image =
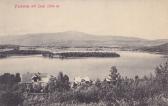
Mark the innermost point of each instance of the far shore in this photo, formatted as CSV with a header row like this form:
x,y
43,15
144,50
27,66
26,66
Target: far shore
x,y
70,52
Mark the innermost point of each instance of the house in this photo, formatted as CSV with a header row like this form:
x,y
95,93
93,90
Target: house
x,y
40,78
33,80
81,80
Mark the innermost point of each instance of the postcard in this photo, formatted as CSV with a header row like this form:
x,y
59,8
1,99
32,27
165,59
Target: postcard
x,y
83,53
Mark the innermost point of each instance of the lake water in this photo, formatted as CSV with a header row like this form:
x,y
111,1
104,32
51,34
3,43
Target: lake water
x,y
129,64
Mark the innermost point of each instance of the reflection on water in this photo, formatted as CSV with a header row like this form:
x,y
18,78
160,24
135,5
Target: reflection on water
x,y
129,64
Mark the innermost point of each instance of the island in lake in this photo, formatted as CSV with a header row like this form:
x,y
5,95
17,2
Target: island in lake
x,y
65,54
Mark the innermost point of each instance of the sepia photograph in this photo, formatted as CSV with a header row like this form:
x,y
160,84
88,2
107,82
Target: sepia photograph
x,y
83,53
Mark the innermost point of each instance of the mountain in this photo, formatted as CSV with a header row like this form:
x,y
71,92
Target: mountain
x,y
77,39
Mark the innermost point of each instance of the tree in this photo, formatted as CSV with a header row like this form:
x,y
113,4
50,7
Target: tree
x,y
162,76
61,83
17,77
114,75
52,84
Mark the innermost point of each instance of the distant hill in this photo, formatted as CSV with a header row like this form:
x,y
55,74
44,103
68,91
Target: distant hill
x,y
163,49
77,39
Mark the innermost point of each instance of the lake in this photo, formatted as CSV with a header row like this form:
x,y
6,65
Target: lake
x,y
129,64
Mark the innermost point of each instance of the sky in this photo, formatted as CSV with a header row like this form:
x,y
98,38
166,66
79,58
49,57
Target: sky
x,y
136,18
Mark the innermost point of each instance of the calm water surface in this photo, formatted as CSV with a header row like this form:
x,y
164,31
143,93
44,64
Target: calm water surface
x,y
129,64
